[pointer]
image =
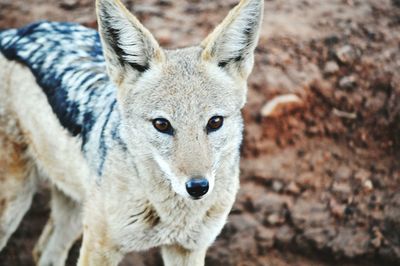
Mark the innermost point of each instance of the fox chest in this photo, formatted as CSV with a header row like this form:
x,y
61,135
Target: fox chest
x,y
148,230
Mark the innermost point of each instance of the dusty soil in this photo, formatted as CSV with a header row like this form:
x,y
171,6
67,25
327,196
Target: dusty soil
x,y
321,178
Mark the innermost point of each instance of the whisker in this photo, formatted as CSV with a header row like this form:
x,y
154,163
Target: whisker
x,y
137,214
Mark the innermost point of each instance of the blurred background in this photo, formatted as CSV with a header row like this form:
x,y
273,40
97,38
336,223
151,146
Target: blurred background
x,y
320,160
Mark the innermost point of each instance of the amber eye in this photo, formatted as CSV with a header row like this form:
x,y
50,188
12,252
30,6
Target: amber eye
x,y
215,123
163,125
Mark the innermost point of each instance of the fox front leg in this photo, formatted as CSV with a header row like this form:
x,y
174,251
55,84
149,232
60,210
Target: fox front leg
x,y
96,251
174,255
97,248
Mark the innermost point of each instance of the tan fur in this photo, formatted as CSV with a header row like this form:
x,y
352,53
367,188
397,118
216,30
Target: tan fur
x,y
140,201
17,173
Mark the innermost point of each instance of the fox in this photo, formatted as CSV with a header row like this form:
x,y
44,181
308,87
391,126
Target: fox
x,y
139,145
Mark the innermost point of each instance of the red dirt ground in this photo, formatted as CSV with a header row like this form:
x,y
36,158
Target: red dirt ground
x,y
320,179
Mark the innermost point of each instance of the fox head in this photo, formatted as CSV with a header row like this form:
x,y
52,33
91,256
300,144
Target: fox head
x,y
182,107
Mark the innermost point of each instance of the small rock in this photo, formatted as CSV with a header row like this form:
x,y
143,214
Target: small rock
x,y
337,209
275,219
348,82
344,114
243,243
368,186
378,239
341,187
362,175
270,203
284,235
376,242
238,223
324,88
307,179
306,213
343,172
165,2
69,4
318,236
265,236
331,67
346,54
281,104
376,103
331,40
277,186
351,242
293,188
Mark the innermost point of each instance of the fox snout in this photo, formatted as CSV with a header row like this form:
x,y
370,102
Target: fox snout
x,y
197,187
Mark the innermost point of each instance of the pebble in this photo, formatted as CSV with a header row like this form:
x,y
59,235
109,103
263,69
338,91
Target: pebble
x,y
336,208
275,219
341,187
350,242
266,236
277,186
281,104
347,82
368,186
362,175
306,213
343,172
346,54
293,188
378,239
331,67
284,235
69,4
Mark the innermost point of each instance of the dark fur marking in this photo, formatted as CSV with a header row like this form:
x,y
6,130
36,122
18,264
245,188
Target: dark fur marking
x,y
103,148
153,220
115,134
151,217
148,215
132,222
223,64
137,214
249,32
138,67
156,221
3,205
113,37
68,64
236,60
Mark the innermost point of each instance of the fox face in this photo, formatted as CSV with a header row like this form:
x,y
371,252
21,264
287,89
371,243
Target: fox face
x,y
187,114
182,107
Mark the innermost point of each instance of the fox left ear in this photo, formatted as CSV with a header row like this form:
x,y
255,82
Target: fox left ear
x,y
129,48
231,45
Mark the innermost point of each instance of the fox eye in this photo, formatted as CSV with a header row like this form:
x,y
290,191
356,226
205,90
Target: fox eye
x,y
215,123
163,126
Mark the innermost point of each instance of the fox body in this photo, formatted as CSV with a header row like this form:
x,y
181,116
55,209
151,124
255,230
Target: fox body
x,y
140,144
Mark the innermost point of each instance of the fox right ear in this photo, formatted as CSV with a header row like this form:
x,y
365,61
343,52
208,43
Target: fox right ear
x,y
231,45
129,48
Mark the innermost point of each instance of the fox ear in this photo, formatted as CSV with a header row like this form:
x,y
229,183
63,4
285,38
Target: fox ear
x,y
129,48
231,45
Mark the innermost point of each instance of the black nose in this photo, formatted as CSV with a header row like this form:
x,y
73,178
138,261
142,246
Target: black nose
x,y
197,187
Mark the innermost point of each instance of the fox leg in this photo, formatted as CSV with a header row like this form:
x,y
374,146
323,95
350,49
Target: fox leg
x,y
61,231
18,183
97,248
15,200
95,253
177,255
